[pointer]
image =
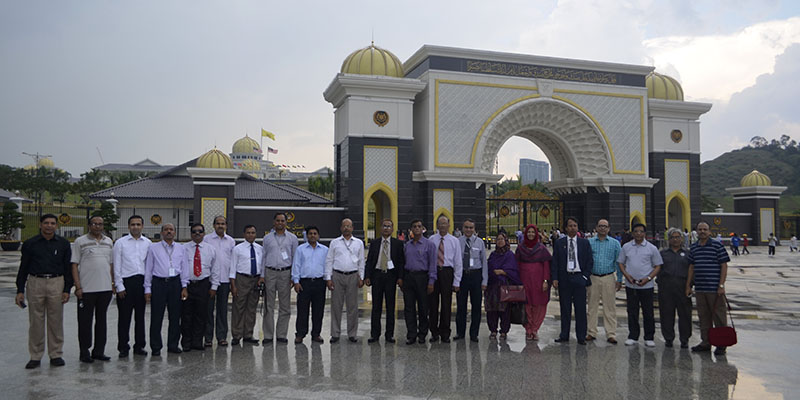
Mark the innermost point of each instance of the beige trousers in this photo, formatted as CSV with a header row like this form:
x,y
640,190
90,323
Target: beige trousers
x,y
245,304
45,308
603,288
345,292
280,283
708,315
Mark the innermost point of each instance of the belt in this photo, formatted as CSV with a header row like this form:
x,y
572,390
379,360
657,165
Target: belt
x,y
603,274
46,276
444,266
419,272
471,270
384,272
345,273
248,275
198,280
158,278
311,279
279,269
574,273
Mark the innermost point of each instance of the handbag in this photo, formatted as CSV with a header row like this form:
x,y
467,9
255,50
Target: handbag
x,y
723,336
518,314
512,294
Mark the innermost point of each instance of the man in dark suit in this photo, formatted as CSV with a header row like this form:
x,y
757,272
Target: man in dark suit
x,y
384,272
570,272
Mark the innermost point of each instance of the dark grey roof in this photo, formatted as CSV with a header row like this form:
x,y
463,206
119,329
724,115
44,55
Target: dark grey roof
x,y
5,195
119,167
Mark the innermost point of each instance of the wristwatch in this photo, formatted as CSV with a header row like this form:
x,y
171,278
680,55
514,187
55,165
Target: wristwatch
x,y
722,286
649,278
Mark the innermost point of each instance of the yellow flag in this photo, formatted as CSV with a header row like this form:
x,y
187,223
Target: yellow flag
x,y
267,134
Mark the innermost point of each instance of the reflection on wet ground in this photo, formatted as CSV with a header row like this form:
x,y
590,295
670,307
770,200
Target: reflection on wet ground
x,y
762,366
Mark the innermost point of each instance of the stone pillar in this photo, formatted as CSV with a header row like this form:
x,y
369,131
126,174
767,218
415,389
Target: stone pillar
x,y
17,234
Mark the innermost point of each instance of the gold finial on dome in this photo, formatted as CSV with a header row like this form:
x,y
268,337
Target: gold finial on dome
x,y
663,87
215,159
373,60
755,178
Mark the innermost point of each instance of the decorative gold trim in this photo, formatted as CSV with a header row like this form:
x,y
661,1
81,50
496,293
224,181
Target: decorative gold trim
x,y
441,210
368,192
203,207
637,213
685,204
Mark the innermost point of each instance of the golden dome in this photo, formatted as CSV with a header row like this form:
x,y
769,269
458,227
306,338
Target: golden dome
x,y
663,87
755,178
373,60
46,162
30,167
246,145
214,159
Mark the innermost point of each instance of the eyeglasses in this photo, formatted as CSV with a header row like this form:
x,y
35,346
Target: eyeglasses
x,y
197,232
96,224
387,226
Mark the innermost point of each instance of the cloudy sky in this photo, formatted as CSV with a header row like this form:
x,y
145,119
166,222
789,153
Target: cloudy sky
x,y
169,80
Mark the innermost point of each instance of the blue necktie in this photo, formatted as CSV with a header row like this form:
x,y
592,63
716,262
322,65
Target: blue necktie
x,y
253,270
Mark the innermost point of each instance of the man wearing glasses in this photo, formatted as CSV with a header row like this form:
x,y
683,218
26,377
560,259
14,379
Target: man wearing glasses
x,y
606,282
672,290
203,283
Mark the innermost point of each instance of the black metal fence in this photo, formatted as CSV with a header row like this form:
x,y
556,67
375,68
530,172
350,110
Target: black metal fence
x,y
72,219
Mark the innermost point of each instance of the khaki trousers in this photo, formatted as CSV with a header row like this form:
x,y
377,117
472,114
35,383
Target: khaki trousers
x,y
707,314
45,307
245,303
603,288
345,291
279,282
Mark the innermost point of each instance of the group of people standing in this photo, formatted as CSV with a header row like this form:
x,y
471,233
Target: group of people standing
x,y
192,282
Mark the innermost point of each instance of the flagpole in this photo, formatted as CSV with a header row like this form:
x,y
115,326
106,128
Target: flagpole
x,y
262,145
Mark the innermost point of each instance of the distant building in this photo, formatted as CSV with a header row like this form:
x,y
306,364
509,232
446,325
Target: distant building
x,y
145,166
531,171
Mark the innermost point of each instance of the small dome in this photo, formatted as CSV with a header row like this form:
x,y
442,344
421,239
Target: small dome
x,y
214,159
663,87
755,178
30,167
250,165
46,162
373,60
246,145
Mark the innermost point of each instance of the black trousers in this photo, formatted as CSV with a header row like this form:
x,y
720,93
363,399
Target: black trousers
x,y
93,306
415,298
643,298
218,324
671,299
470,286
166,295
384,287
442,292
194,313
132,305
572,292
771,250
313,296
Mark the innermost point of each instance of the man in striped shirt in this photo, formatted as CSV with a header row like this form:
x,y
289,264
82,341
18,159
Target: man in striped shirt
x,y
708,265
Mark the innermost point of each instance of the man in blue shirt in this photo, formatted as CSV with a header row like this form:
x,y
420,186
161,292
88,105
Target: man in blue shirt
x,y
708,267
308,268
606,281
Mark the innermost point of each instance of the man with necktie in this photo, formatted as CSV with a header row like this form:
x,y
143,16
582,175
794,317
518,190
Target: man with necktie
x,y
130,252
570,270
223,246
245,276
448,270
344,271
473,282
164,288
203,284
384,272
420,275
308,269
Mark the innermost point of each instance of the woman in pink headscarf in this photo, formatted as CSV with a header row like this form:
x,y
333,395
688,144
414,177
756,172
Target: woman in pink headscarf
x,y
533,260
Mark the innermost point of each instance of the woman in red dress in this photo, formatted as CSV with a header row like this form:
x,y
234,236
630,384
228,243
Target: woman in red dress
x,y
533,260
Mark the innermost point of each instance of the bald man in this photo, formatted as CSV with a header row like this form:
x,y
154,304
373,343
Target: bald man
x,y
344,273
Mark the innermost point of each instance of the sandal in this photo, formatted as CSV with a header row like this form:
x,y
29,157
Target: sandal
x,y
223,343
535,337
493,336
503,336
529,337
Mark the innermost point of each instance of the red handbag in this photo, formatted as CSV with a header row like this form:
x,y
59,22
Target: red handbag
x,y
723,336
512,293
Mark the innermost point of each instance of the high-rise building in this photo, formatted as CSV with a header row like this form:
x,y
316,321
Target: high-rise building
x,y
533,170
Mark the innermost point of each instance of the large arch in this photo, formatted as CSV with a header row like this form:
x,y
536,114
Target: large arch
x,y
678,211
385,200
574,145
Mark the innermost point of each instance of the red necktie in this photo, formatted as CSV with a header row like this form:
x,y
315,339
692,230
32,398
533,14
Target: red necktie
x,y
197,265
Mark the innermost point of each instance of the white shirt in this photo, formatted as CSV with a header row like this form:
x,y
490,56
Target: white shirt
x,y
129,256
345,255
240,262
577,266
208,263
224,249
452,255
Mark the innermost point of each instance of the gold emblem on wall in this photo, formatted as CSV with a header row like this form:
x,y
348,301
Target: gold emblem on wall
x,y
544,212
676,135
787,225
64,218
289,217
381,118
155,219
504,211
717,221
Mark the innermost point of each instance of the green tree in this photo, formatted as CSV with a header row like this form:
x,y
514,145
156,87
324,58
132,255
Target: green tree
x,y
109,216
10,219
36,182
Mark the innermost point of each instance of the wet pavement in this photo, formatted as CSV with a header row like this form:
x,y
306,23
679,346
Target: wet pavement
x,y
763,292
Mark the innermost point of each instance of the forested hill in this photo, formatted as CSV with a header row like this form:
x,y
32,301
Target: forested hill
x,y
778,159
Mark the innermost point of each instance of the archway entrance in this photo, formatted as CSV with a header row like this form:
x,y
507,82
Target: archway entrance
x,y
379,206
678,212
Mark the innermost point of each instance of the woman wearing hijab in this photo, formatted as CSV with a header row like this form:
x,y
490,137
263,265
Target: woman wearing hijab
x,y
533,260
502,271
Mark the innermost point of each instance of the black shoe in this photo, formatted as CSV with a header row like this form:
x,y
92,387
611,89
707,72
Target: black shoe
x,y
156,353
266,342
562,340
408,341
445,340
175,351
57,362
208,344
390,340
123,354
668,343
139,352
234,342
282,340
421,340
372,340
582,342
198,348
251,340
318,339
186,349
298,340
720,351
353,339
434,339
474,339
701,349
684,345
85,359
458,337
33,364
101,357
334,339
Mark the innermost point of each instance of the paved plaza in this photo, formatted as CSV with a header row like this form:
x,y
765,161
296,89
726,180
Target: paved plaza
x,y
763,292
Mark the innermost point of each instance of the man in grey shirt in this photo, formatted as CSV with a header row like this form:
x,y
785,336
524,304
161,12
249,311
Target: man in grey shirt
x,y
279,246
672,291
640,262
473,281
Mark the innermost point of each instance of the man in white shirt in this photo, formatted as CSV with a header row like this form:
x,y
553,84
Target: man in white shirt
x,y
449,268
247,265
130,252
279,247
344,272
223,245
203,283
